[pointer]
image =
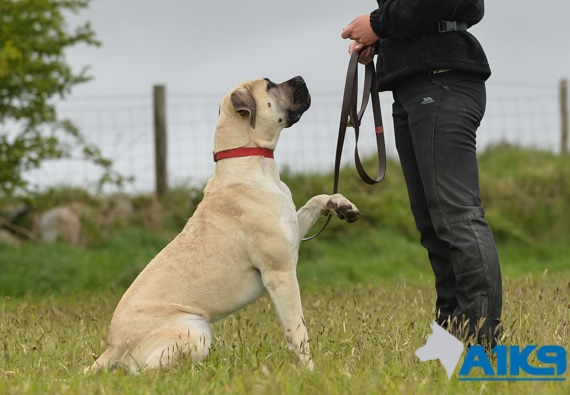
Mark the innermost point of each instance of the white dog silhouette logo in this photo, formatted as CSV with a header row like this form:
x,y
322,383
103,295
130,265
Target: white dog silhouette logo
x,y
441,345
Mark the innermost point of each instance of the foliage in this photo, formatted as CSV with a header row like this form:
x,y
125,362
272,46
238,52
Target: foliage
x,y
526,194
33,71
520,189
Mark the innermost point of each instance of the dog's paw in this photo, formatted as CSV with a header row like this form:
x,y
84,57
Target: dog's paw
x,y
343,208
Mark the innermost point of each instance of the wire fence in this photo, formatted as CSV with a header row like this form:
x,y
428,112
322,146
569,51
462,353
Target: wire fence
x,y
521,114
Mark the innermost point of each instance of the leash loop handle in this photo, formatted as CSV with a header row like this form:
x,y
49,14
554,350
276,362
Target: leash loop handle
x,y
350,116
349,112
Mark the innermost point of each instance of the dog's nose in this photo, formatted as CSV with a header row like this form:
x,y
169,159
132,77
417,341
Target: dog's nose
x,y
296,81
300,90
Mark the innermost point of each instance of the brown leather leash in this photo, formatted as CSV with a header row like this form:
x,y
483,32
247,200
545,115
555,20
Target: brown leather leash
x,y
351,116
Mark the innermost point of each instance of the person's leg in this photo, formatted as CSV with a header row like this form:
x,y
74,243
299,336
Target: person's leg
x,y
443,115
438,249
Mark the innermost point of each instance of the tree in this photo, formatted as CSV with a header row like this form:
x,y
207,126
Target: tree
x,y
33,71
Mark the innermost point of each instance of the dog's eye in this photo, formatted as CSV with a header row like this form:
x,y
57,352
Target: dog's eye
x,y
270,84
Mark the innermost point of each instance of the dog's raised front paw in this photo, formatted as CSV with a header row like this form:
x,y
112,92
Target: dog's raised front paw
x,y
343,208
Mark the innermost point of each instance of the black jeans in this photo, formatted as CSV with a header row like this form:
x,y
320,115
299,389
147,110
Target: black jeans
x,y
436,117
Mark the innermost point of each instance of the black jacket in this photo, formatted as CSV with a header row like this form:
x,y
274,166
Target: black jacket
x,y
410,41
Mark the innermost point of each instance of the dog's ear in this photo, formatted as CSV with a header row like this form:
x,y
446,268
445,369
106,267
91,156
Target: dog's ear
x,y
244,102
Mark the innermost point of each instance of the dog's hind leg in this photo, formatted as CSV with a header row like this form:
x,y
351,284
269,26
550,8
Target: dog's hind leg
x,y
163,346
323,205
189,334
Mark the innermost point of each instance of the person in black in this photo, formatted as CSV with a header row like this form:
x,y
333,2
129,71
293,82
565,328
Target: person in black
x,y
436,71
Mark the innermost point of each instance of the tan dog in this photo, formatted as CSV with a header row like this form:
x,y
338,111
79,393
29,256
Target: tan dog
x,y
242,241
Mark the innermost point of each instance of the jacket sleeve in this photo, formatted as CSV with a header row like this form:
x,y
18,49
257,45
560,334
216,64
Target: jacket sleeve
x,y
402,19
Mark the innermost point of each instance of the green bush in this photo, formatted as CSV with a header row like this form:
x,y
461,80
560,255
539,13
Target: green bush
x,y
526,194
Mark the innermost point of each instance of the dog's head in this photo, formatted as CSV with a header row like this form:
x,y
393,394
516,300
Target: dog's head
x,y
253,113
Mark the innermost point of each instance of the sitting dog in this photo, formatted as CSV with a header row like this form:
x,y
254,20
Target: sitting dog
x,y
242,241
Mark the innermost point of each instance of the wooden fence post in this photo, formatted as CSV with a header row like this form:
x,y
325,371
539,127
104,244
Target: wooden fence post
x,y
159,100
564,116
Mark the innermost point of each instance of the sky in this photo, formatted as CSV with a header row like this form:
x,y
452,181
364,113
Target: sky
x,y
205,48
211,46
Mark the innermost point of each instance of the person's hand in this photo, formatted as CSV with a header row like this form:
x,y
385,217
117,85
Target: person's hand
x,y
360,31
362,36
366,53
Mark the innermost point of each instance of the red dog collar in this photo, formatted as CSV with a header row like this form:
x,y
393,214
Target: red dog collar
x,y
243,151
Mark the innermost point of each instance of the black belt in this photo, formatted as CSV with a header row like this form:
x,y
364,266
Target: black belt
x,y
451,26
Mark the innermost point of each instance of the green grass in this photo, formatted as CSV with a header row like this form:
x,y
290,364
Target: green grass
x,y
374,257
44,269
363,341
526,195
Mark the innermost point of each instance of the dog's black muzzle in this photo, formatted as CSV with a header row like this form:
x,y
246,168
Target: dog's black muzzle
x,y
301,99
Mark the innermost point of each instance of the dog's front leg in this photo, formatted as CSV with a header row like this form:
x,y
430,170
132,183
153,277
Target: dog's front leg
x,y
323,205
283,289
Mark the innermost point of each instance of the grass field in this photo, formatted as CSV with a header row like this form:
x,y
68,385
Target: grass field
x,y
363,342
367,294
